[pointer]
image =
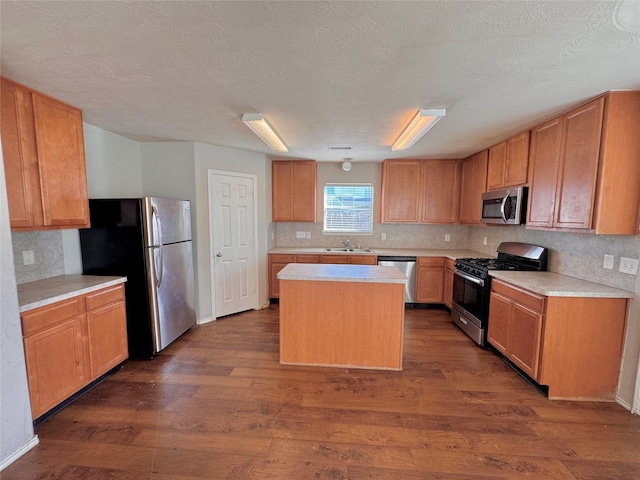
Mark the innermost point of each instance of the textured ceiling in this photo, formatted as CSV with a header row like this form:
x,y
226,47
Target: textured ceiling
x,y
322,73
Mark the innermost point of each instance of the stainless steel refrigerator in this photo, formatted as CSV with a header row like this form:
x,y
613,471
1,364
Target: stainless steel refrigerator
x,y
148,240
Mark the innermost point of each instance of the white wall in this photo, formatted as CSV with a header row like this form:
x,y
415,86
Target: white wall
x,y
209,157
16,427
113,164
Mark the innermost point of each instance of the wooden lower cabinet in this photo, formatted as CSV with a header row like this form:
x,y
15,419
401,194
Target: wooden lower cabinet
x,y
71,343
448,283
573,345
429,280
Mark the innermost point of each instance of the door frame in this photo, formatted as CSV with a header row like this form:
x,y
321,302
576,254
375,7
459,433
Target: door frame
x,y
212,257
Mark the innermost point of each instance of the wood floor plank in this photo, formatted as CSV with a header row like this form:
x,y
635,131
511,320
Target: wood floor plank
x,y
217,404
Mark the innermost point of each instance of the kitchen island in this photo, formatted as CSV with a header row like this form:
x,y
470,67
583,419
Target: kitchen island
x,y
342,315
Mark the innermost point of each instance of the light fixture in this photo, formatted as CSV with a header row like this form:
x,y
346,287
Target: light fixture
x,y
346,165
262,129
419,125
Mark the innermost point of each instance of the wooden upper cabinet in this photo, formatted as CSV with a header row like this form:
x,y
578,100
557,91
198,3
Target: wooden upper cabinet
x,y
420,191
508,163
401,191
293,190
584,171
472,185
441,191
19,152
43,149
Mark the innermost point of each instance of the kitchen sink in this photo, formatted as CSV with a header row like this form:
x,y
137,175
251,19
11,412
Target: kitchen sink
x,y
344,249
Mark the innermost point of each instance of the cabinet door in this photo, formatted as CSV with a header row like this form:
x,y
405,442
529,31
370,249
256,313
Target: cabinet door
x,y
579,165
107,331
496,166
472,186
55,364
517,165
401,191
363,259
19,153
441,191
543,175
499,322
61,160
525,339
281,194
429,280
276,263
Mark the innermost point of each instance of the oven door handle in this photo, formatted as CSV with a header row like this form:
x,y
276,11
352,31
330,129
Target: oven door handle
x,y
477,281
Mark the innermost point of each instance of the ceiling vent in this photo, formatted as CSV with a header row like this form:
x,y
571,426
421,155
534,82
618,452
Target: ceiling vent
x,y
341,147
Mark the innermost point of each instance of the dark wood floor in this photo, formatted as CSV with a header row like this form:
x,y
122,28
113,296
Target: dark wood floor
x,y
218,405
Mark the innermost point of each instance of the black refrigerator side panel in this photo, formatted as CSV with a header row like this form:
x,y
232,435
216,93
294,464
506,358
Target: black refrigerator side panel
x,y
114,245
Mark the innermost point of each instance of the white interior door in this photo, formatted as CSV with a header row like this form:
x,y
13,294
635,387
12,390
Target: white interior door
x,y
233,244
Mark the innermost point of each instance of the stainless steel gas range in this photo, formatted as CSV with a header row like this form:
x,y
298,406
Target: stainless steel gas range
x,y
472,284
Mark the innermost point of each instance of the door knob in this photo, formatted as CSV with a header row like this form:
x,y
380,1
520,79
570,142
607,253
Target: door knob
x,y
219,254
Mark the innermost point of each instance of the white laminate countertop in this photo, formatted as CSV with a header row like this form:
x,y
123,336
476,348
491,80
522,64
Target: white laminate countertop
x,y
342,273
408,252
556,285
51,290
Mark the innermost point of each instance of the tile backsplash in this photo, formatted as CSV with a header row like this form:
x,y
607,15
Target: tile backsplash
x,y
48,255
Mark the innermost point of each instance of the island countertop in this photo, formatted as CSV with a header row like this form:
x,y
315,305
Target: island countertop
x,y
342,273
51,290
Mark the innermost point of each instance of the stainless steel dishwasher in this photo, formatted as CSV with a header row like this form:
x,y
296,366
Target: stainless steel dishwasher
x,y
407,265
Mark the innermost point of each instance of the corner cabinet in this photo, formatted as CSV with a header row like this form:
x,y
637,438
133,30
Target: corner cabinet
x,y
508,163
43,150
473,185
584,173
293,190
420,191
71,343
573,345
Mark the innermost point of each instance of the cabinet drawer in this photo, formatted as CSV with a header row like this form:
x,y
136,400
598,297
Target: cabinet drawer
x,y
104,297
523,297
307,258
282,258
45,317
430,261
364,260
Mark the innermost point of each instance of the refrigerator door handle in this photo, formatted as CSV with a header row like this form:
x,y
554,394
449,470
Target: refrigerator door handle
x,y
158,254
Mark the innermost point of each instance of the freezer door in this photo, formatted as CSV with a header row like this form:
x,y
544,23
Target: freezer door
x,y
171,291
166,220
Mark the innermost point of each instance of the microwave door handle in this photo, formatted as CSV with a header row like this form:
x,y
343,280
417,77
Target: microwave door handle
x,y
502,208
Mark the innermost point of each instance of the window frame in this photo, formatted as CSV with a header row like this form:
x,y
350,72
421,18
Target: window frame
x,y
326,231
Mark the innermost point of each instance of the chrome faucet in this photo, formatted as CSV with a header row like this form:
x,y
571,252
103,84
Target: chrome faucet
x,y
347,243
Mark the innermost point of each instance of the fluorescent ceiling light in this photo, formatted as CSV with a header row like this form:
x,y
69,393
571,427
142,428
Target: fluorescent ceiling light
x,y
421,124
262,129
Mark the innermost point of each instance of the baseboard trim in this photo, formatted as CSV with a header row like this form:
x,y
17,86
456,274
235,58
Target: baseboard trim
x,y
624,404
20,452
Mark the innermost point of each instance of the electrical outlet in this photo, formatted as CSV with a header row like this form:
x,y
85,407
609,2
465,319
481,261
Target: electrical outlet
x,y
308,234
629,265
383,236
27,257
299,234
447,237
484,240
608,262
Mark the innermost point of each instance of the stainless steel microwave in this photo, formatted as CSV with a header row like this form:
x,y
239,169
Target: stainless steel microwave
x,y
504,207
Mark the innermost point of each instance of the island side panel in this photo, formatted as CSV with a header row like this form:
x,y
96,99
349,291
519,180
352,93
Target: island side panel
x,y
346,324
